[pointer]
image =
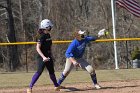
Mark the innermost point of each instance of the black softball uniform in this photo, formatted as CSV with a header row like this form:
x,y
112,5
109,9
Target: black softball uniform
x,y
46,43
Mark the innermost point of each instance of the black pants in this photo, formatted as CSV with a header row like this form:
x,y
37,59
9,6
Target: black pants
x,y
41,65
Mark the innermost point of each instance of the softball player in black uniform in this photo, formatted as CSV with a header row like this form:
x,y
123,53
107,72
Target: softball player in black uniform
x,y
44,57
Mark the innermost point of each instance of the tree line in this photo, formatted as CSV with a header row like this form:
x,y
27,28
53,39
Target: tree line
x,y
19,21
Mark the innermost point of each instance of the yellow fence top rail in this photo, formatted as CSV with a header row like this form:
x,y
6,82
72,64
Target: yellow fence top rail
x,y
119,39
68,41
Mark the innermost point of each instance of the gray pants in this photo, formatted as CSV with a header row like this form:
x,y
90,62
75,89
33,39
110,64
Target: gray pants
x,y
84,64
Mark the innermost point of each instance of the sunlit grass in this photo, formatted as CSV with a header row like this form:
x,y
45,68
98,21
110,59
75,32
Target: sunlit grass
x,y
22,79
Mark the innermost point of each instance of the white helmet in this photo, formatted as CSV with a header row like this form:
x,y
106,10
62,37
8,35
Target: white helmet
x,y
45,23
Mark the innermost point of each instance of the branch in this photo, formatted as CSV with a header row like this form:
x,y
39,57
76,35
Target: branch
x,y
16,16
3,6
3,14
7,38
2,9
3,54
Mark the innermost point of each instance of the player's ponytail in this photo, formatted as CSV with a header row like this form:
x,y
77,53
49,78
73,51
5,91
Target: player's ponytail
x,y
75,33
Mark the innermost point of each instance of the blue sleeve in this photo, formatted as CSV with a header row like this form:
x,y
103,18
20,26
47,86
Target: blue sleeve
x,y
91,38
69,52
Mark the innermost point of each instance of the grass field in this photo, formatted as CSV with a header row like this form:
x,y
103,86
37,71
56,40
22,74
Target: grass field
x,y
22,79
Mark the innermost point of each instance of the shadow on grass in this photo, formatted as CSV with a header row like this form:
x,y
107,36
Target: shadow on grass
x,y
120,87
72,89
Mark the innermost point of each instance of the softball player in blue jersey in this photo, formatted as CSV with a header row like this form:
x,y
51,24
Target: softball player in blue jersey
x,y
44,58
74,55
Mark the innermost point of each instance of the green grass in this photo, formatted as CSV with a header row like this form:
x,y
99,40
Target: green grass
x,y
22,79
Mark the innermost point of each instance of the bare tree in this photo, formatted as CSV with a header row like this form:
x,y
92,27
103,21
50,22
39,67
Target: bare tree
x,y
12,50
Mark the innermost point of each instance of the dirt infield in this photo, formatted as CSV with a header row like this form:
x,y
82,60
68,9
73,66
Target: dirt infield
x,y
132,86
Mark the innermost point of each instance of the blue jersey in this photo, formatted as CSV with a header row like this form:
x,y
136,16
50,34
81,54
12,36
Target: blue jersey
x,y
76,48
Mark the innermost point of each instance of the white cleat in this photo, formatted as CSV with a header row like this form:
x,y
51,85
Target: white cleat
x,y
57,88
29,90
97,86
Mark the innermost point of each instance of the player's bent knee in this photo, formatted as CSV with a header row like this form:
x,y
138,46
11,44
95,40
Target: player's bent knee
x,y
90,70
66,73
93,72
